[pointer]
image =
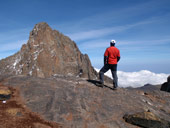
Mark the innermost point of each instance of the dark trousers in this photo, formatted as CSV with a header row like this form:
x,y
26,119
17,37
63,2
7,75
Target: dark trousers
x,y
113,68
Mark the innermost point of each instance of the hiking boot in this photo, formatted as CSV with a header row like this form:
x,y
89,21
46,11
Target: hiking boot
x,y
114,87
100,84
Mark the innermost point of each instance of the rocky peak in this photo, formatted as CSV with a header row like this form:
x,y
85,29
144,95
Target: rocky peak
x,y
41,32
40,27
48,53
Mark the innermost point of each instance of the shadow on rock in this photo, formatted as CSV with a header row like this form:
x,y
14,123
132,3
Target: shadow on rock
x,y
166,86
97,83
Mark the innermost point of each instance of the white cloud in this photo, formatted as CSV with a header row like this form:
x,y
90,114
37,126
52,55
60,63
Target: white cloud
x,y
94,33
138,79
104,31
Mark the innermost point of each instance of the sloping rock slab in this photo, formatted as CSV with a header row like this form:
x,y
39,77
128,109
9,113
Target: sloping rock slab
x,y
78,103
146,120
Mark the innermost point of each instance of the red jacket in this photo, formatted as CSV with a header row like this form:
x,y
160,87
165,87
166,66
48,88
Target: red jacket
x,y
112,54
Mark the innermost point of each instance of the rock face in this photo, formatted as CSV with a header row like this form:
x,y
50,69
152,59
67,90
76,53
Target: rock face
x,y
77,103
48,53
166,86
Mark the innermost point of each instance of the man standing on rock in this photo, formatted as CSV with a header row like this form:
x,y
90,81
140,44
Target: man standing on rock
x,y
111,57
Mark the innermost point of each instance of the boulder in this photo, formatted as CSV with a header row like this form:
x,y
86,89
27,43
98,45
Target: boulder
x,y
166,86
146,120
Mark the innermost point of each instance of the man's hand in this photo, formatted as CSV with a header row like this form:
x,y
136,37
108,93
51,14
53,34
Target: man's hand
x,y
118,58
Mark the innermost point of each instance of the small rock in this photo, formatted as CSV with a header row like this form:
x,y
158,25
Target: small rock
x,y
146,120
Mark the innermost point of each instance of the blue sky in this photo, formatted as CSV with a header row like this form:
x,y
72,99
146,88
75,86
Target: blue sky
x,y
140,27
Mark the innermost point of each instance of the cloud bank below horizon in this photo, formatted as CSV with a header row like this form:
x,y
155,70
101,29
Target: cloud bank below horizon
x,y
138,79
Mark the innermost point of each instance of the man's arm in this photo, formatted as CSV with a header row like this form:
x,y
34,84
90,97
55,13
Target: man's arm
x,y
105,60
106,57
118,57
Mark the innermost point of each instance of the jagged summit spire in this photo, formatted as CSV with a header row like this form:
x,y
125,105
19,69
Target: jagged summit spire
x,y
41,29
40,26
48,53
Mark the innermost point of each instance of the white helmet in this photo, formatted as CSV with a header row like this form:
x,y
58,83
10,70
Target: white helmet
x,y
113,41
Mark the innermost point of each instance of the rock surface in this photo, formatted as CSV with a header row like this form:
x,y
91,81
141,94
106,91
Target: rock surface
x,y
14,114
48,53
77,103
